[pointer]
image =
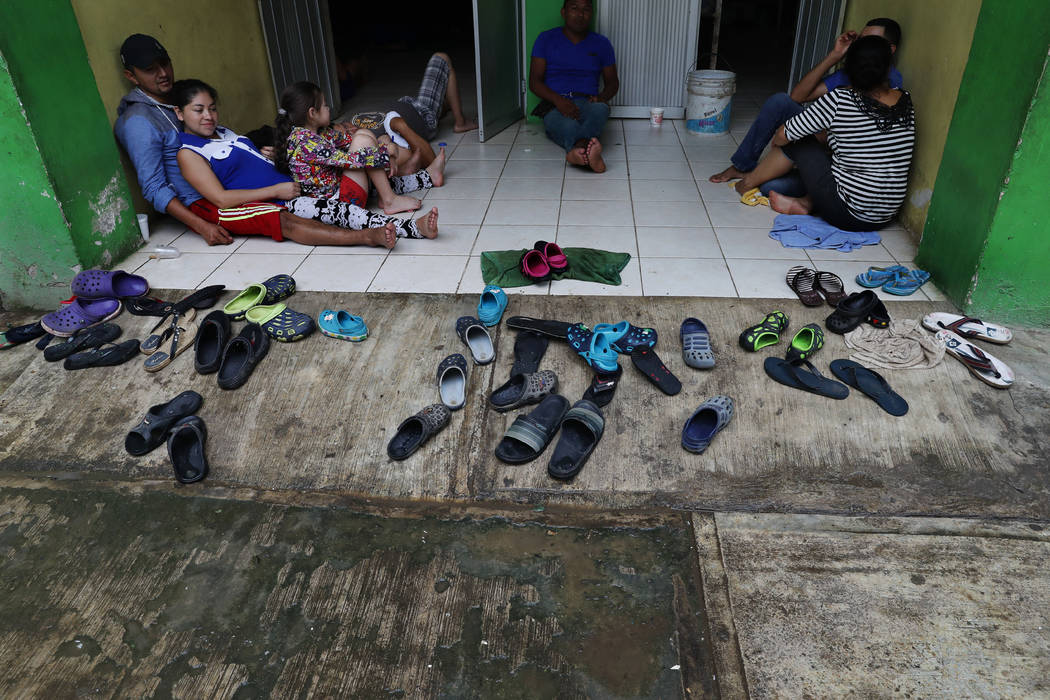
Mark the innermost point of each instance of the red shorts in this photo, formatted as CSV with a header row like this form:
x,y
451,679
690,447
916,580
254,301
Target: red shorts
x,y
251,219
351,192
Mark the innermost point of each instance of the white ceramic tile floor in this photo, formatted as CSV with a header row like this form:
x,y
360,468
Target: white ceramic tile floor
x,y
686,236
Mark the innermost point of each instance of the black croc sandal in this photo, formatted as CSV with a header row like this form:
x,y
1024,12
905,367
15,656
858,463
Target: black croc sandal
x,y
415,431
766,333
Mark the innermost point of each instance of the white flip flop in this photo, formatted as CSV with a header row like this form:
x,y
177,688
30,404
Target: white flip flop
x,y
968,327
989,369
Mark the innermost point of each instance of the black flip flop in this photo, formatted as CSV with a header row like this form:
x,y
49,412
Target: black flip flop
x,y
84,339
554,329
153,429
212,338
792,375
528,436
603,387
186,450
108,355
581,429
241,356
23,334
871,384
529,348
650,364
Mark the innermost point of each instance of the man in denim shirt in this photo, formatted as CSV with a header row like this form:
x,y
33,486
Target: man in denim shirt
x,y
567,62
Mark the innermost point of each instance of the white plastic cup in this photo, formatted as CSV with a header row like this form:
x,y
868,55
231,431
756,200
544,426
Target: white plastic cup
x,y
656,116
143,225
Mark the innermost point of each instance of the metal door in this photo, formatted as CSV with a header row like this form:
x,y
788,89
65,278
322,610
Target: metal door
x,y
655,44
819,22
298,37
497,57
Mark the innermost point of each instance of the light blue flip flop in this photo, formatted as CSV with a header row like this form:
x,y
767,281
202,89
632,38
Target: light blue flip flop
x,y
342,325
878,276
492,304
906,283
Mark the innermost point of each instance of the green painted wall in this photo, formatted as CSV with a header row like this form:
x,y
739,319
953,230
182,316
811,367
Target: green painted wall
x,y
936,36
1006,60
1011,280
540,15
36,257
50,73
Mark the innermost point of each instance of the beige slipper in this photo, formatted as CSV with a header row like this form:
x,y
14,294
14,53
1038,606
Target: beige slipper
x,y
181,339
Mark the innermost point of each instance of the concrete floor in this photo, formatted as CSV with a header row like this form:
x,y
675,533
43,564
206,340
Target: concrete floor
x,y
807,553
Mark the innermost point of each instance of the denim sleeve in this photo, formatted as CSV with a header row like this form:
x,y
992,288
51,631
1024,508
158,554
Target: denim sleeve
x,y
145,147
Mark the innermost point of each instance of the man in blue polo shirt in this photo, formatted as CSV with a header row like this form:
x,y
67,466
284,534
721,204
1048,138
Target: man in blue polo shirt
x,y
782,106
567,62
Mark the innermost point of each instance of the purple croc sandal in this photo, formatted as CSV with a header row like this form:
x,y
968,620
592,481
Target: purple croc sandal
x,y
108,284
79,314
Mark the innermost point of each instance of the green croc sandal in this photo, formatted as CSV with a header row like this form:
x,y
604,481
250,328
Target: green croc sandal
x,y
766,333
807,341
280,322
252,295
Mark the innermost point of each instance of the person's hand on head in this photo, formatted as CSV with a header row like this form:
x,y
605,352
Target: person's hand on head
x,y
842,43
215,234
567,107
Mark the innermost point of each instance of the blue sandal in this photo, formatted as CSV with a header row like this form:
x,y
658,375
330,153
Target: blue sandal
x,y
878,276
712,415
492,304
625,337
907,283
594,347
342,325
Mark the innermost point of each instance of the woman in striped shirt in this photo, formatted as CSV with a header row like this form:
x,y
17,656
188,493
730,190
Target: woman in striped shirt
x,y
862,182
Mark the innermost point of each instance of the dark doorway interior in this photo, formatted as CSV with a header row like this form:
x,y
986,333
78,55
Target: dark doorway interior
x,y
756,41
382,48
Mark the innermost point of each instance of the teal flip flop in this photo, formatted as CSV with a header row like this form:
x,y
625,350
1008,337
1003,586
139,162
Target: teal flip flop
x,y
907,283
878,276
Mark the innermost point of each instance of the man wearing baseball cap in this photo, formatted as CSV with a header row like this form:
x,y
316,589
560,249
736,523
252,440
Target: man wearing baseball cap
x,y
144,121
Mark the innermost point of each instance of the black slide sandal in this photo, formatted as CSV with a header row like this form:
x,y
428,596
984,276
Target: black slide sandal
x,y
186,450
153,429
871,384
581,429
603,387
783,372
650,364
528,436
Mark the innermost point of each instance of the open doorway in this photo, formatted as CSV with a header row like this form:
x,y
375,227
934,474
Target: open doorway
x,y
756,39
380,54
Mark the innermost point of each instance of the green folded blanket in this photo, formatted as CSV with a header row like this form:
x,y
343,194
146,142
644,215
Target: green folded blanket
x,y
503,267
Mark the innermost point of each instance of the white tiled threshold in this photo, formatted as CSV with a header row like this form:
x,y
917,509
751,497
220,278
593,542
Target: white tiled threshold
x,y
686,236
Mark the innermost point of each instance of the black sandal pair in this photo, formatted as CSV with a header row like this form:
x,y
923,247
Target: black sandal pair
x,y
184,432
233,359
93,347
530,434
856,309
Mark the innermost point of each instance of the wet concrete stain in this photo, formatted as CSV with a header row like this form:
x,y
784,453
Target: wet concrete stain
x,y
165,595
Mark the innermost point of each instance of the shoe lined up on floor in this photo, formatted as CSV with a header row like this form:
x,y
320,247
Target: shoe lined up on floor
x,y
809,284
895,279
342,325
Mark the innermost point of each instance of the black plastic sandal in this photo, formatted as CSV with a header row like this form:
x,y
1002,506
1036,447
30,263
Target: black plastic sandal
x,y
802,281
153,429
186,450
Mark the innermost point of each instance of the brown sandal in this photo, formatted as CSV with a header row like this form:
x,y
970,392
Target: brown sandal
x,y
802,281
831,285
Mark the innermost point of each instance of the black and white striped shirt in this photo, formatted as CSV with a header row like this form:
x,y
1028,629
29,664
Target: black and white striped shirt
x,y
870,166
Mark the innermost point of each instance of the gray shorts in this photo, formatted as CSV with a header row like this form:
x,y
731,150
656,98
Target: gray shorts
x,y
431,95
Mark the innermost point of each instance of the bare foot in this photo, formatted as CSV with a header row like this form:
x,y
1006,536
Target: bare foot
x,y
787,205
730,173
385,236
428,224
576,156
466,125
594,156
399,203
437,168
414,161
743,186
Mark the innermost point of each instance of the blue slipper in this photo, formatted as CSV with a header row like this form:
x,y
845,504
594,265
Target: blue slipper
x,y
712,415
878,276
594,347
492,304
342,325
625,337
907,283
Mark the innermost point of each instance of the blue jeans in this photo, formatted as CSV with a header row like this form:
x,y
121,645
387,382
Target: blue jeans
x,y
775,111
566,132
